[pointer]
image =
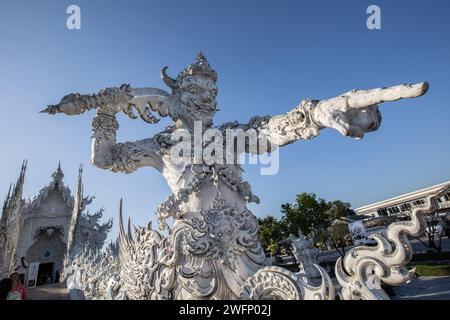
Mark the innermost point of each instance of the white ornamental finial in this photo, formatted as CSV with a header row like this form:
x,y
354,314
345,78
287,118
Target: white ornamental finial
x,y
58,175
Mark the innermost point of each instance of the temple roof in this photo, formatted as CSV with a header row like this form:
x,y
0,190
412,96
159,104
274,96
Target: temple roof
x,y
55,184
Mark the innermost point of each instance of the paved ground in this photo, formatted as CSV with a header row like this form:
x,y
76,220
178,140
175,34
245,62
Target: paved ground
x,y
419,247
56,291
424,288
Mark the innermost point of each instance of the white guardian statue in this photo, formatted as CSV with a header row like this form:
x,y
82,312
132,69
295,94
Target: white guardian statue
x,y
212,250
305,254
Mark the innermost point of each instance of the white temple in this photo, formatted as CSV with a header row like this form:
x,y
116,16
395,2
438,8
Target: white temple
x,y
44,230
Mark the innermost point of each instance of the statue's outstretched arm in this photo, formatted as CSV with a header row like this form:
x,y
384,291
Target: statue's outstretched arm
x,y
120,157
106,153
353,114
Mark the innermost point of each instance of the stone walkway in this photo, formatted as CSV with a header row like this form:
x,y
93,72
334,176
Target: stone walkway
x,y
57,291
424,288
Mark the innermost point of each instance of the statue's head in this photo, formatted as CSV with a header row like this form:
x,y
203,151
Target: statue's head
x,y
195,90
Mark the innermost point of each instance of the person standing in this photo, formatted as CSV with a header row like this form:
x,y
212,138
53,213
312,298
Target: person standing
x,y
18,286
22,269
6,290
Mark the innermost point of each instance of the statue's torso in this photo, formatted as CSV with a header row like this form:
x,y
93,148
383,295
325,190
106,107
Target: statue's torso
x,y
211,219
201,180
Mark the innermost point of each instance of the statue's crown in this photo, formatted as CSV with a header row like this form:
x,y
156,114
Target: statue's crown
x,y
200,66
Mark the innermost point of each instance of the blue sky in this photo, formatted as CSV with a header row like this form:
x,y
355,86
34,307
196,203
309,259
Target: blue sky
x,y
269,55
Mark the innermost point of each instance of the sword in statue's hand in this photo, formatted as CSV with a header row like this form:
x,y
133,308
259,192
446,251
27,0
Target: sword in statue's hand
x,y
114,100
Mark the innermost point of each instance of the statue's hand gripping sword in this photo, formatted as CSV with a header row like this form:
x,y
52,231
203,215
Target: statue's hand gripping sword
x,y
124,98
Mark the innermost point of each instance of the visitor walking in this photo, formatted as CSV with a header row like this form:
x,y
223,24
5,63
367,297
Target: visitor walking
x,y
22,269
6,290
18,286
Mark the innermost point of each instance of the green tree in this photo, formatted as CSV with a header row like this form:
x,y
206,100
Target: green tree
x,y
307,213
314,217
338,236
320,239
271,232
338,209
437,228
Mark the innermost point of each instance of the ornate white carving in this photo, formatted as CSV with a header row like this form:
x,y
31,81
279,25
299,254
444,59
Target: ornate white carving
x,y
275,283
305,254
212,251
24,223
85,241
11,224
363,268
89,275
55,184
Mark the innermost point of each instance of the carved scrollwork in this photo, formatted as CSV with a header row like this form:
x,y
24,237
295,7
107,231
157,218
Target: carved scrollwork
x,y
271,283
363,268
225,233
275,283
297,124
50,229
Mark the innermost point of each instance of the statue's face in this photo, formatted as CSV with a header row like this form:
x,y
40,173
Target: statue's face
x,y
198,97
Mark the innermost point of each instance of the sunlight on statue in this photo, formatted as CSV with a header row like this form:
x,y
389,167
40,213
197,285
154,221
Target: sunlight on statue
x,y
212,250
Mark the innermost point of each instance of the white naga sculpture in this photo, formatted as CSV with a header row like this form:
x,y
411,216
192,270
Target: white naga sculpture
x,y
92,275
212,250
362,270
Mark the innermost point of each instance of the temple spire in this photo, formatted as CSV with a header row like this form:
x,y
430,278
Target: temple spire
x,y
8,196
4,216
18,187
77,207
9,191
79,195
58,175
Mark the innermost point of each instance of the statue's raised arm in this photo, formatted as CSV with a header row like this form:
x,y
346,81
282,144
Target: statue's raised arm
x,y
106,153
352,114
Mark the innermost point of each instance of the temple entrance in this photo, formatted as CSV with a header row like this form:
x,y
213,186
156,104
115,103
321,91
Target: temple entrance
x,y
48,250
45,273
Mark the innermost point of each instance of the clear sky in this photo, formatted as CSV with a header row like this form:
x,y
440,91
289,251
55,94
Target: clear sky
x,y
269,55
